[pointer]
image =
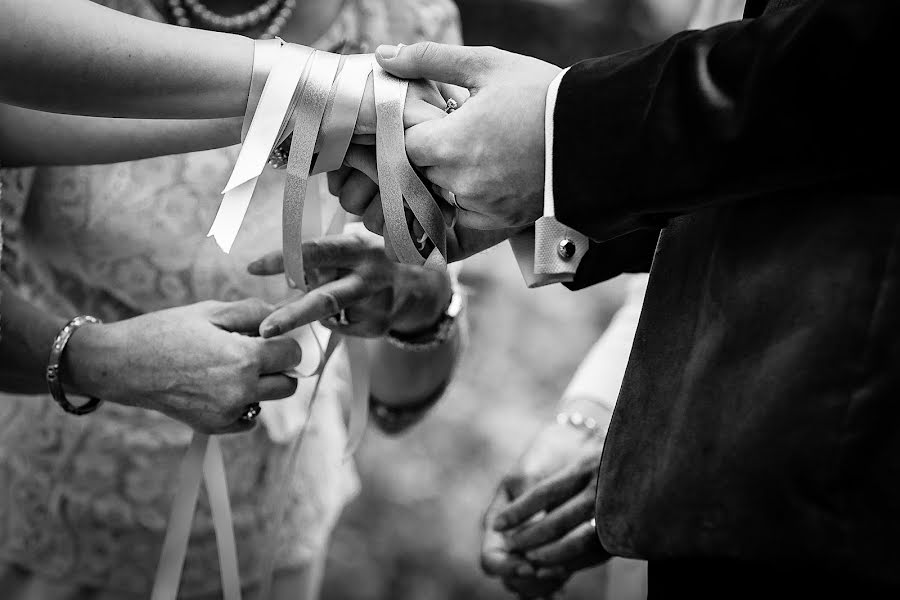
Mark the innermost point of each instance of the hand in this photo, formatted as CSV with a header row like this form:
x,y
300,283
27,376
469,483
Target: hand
x,y
490,151
423,103
351,272
196,363
499,560
356,186
542,523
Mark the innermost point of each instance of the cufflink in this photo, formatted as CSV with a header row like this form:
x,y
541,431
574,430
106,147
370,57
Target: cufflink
x,y
566,249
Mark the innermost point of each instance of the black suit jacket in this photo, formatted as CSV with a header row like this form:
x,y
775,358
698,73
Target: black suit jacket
x,y
759,417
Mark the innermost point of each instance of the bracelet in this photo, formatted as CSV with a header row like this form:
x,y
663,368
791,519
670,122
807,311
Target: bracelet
x,y
56,351
577,420
393,419
435,336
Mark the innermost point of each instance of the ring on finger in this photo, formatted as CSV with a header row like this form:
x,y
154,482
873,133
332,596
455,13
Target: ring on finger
x,y
451,105
251,413
340,318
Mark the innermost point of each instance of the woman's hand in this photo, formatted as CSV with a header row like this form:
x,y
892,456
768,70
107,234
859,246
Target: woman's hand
x,y
352,273
197,364
423,103
542,514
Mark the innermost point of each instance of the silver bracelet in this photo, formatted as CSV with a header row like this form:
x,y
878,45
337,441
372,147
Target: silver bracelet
x,y
577,420
53,380
439,335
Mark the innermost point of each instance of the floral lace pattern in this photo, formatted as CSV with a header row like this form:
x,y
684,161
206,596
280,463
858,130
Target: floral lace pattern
x,y
86,500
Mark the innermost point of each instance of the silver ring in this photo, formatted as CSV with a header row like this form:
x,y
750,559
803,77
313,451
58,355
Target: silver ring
x,y
251,413
340,318
593,523
451,105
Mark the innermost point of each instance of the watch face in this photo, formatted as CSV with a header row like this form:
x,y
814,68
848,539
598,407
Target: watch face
x,y
456,304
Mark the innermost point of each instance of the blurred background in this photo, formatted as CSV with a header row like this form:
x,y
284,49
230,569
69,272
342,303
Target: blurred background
x,y
414,531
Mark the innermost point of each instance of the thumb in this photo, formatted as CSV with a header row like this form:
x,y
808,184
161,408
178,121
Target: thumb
x,y
458,65
243,316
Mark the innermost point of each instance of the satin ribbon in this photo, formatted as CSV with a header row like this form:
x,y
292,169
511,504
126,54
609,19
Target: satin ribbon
x,y
316,96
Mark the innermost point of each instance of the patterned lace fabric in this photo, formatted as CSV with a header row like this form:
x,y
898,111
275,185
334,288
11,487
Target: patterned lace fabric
x,y
86,500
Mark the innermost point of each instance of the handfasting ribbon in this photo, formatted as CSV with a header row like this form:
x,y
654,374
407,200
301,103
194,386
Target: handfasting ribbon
x,y
399,182
271,114
306,130
265,55
339,123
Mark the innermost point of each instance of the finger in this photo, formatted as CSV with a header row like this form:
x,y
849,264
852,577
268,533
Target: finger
x,y
318,304
337,178
469,219
544,496
275,387
497,562
556,524
335,251
579,544
278,354
243,316
433,142
419,111
459,65
531,588
357,193
270,264
458,93
373,218
362,158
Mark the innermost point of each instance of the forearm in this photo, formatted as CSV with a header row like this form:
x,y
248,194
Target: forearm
x,y
74,56
402,377
789,99
29,137
27,335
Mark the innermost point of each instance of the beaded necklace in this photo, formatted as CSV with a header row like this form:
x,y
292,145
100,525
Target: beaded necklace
x,y
189,13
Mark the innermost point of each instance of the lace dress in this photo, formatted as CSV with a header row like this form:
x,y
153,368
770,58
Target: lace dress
x,y
84,500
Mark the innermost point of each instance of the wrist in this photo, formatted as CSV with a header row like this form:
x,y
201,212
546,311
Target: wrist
x,y
423,305
85,362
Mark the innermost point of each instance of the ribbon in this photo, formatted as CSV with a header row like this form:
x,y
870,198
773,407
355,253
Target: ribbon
x,y
316,97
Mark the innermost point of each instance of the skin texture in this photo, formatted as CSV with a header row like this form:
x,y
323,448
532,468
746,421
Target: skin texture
x,y
536,530
197,364
490,151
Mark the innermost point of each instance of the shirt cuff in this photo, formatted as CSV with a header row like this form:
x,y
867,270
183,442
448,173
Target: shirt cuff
x,y
550,252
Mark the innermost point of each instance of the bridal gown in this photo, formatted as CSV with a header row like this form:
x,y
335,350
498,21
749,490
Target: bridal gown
x,y
84,501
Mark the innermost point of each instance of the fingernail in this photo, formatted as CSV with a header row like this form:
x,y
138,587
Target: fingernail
x,y
387,52
256,264
524,571
270,331
500,523
549,573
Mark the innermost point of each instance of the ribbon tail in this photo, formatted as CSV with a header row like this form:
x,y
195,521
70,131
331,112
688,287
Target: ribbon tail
x,y
178,531
220,506
360,374
231,214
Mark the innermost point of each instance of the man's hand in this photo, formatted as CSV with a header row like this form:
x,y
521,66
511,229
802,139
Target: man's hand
x,y
490,151
197,364
352,273
537,530
356,187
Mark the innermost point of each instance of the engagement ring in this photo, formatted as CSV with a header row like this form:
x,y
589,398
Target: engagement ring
x,y
251,413
451,105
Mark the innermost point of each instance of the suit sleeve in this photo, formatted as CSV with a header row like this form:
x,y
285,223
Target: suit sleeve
x,y
795,97
630,253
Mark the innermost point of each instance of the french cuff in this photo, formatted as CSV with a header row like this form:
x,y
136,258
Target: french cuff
x,y
550,252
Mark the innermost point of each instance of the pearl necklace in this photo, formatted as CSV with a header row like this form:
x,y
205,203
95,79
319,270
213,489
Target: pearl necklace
x,y
207,19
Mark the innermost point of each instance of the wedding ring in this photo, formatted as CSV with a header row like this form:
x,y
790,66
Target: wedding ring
x,y
451,105
452,198
593,522
251,413
340,318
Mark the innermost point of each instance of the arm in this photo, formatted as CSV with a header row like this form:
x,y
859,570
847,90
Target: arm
x,y
131,362
74,56
29,137
792,98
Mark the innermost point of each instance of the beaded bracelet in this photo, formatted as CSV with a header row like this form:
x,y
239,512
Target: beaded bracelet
x,y
575,419
53,382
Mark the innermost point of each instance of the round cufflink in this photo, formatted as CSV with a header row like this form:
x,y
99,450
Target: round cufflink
x,y
566,249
